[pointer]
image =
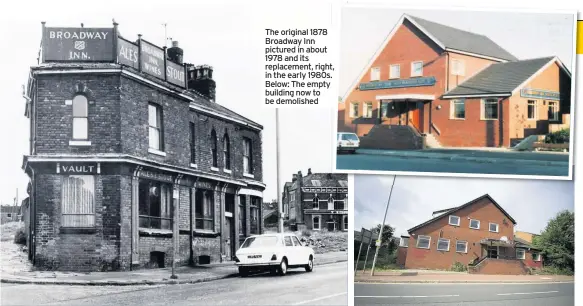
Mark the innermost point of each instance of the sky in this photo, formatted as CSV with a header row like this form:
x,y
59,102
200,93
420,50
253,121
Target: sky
x,y
526,35
532,203
227,36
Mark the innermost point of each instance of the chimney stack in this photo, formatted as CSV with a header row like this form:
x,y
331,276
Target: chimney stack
x,y
175,53
294,177
200,79
309,171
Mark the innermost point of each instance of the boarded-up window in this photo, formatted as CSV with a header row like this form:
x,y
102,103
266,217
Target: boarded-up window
x,y
78,201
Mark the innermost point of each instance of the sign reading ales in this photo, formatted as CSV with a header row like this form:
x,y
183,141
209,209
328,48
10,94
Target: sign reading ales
x,y
78,44
127,53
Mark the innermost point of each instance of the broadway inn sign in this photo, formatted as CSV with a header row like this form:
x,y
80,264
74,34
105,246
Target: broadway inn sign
x,y
105,45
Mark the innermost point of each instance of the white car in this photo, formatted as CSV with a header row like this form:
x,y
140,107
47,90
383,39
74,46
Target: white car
x,y
347,142
273,252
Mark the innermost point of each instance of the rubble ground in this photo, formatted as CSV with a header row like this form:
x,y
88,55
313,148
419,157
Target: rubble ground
x,y
13,257
324,241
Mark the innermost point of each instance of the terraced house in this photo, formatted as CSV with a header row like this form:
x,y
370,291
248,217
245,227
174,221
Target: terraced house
x,y
133,163
478,234
434,85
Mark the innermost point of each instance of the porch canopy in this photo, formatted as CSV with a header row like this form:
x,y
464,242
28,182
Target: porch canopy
x,y
405,97
497,242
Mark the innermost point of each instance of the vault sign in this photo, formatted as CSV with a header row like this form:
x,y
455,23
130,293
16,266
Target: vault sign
x,y
78,44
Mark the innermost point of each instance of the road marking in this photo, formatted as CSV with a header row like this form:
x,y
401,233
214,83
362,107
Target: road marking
x,y
320,298
462,283
405,296
522,293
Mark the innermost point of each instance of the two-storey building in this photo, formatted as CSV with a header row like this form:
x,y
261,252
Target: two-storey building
x,y
132,162
478,235
435,85
317,201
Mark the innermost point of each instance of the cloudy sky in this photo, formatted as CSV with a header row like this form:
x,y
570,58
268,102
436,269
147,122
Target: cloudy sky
x,y
526,35
530,202
226,35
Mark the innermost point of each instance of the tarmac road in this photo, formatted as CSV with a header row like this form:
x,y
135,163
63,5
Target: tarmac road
x,y
556,294
506,163
327,285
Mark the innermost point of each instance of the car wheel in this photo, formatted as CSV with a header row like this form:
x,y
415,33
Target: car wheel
x,y
310,266
282,269
243,272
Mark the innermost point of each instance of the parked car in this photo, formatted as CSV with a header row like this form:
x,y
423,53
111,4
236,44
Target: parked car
x,y
275,253
347,142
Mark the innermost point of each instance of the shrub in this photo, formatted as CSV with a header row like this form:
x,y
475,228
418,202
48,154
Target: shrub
x,y
561,136
459,267
20,236
306,233
551,270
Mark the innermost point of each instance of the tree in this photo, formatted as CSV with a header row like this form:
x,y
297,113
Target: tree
x,y
557,241
387,234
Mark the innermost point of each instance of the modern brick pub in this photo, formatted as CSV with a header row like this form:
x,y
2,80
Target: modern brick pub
x,y
434,85
132,163
479,235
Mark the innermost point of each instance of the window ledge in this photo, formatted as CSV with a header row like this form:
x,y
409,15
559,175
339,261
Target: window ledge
x,y
214,169
78,230
80,143
461,119
248,175
154,232
193,166
205,233
484,119
227,171
157,152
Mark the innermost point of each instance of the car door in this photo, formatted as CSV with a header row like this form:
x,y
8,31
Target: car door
x,y
289,250
301,251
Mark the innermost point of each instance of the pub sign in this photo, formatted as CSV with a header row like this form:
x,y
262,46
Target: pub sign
x,y
78,44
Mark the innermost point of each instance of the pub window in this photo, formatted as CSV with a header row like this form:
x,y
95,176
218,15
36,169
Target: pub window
x,y
242,222
247,157
367,110
192,143
227,151
353,109
214,148
80,114
395,71
553,111
254,215
489,109
78,201
155,205
204,210
375,74
417,69
155,128
458,109
532,110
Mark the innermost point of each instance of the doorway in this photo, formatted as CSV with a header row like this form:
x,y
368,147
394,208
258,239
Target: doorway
x,y
493,251
230,239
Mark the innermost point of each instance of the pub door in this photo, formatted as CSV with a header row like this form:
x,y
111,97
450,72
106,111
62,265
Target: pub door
x,y
230,239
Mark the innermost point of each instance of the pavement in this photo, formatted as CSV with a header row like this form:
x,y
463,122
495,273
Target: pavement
x,y
421,276
326,285
489,161
492,294
186,274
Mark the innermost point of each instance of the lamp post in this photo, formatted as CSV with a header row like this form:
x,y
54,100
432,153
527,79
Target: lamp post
x,y
379,240
279,200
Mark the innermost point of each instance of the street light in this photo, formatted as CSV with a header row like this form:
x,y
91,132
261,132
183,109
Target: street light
x,y
379,240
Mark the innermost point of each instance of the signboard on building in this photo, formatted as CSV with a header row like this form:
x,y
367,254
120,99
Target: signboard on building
x,y
413,82
540,94
78,44
127,53
152,59
175,74
77,168
156,176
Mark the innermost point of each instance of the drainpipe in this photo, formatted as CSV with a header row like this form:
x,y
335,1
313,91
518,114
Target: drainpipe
x,y
446,71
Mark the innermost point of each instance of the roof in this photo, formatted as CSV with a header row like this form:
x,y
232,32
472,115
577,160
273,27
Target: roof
x,y
500,78
521,243
321,180
451,38
198,100
10,209
486,196
268,212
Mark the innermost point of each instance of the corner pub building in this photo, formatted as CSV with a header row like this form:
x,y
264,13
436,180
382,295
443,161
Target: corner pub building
x,y
132,163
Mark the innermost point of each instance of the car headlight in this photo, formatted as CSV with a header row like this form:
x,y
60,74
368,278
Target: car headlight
x,y
274,257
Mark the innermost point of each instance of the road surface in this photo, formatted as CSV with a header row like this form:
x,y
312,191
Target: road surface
x,y
373,162
327,285
556,294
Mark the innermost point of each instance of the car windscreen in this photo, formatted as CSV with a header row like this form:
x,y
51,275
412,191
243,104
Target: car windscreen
x,y
349,137
258,242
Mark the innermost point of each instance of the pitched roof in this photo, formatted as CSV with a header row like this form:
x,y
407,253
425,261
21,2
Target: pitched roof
x,y
524,244
321,180
499,78
451,38
486,196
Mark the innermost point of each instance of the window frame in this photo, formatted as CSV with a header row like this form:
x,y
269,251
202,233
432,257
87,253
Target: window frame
x,y
448,244
465,244
226,152
459,220
535,111
67,204
556,115
192,143
523,257
316,202
247,156
425,237
398,74
159,128
537,258
345,222
319,222
375,74
479,223
354,109
403,244
254,221
461,66
489,101
85,117
148,203
365,110
490,227
214,150
413,75
452,113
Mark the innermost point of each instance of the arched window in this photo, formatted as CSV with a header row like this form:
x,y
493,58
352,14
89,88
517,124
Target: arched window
x,y
227,151
330,203
316,222
315,202
80,114
214,148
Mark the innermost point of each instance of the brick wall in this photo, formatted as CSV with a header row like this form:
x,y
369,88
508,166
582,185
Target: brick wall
x,y
500,267
401,256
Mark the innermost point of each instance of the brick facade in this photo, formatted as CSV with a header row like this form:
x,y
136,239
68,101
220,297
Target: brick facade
x,y
119,147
